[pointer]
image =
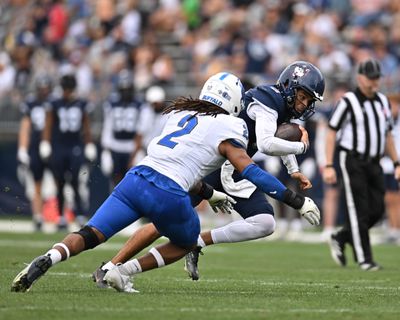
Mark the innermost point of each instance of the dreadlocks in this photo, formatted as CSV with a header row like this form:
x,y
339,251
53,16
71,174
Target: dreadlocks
x,y
190,104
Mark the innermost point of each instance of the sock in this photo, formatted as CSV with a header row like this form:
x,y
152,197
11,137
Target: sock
x,y
200,242
108,266
54,255
37,217
131,267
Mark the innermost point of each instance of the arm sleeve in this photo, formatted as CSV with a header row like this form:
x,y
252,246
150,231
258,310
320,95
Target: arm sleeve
x,y
290,163
272,186
265,181
266,124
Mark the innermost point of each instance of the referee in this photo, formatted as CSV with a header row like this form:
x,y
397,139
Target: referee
x,y
360,127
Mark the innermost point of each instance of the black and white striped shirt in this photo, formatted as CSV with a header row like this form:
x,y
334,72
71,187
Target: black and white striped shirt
x,y
362,123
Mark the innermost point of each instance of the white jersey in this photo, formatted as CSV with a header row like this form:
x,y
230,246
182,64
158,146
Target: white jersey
x,y
187,149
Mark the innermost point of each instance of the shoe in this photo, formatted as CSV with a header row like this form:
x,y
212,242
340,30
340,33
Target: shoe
x,y
118,280
337,251
27,277
37,226
370,266
191,263
98,277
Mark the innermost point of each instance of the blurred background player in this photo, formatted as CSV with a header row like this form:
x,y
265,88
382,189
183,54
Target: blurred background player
x,y
31,127
155,97
152,119
122,136
66,143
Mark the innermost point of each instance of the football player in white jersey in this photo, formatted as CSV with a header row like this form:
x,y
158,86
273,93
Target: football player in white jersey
x,y
198,138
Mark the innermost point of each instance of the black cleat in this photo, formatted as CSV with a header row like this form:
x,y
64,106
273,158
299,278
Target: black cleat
x,y
191,261
32,272
98,277
337,251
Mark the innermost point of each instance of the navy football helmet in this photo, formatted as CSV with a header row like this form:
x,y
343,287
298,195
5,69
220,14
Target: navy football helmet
x,y
68,82
301,75
43,81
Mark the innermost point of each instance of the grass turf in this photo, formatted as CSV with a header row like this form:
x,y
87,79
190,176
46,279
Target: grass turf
x,y
252,280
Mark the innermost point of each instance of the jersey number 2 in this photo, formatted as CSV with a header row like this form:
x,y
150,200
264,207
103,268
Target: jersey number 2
x,y
187,123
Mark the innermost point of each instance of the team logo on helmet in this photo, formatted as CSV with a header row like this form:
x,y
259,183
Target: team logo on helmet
x,y
300,72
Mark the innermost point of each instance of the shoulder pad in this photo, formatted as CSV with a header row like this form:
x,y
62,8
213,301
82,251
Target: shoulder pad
x,y
267,95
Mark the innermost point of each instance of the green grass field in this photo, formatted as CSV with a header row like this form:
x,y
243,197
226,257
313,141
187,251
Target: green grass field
x,y
253,280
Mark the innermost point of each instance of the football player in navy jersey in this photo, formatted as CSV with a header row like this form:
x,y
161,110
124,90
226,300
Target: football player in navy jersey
x,y
122,129
299,86
32,124
66,142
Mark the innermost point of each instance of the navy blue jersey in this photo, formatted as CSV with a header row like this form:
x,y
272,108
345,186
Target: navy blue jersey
x,y
68,121
124,116
270,97
35,109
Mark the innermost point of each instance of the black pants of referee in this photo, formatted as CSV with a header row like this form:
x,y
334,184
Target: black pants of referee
x,y
364,188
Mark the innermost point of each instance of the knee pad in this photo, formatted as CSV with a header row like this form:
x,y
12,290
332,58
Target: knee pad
x,y
89,236
263,224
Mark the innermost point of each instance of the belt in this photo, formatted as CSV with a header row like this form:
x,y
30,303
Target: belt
x,y
362,157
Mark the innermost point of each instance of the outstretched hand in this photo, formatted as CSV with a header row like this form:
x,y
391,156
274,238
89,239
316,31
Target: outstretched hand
x,y
221,201
303,181
310,212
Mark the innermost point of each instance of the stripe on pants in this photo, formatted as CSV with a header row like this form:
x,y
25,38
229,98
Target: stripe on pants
x,y
351,208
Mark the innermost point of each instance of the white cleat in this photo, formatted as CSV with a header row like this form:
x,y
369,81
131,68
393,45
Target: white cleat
x,y
119,281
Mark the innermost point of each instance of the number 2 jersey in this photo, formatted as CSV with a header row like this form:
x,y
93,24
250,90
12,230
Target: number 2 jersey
x,y
187,149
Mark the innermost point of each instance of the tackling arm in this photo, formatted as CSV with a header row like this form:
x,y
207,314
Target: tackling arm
x,y
268,183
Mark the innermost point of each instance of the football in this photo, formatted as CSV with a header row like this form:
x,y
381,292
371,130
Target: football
x,y
288,131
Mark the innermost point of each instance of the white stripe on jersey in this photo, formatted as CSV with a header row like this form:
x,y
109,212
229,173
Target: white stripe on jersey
x,y
187,151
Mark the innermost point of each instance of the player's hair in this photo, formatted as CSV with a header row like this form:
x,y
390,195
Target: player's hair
x,y
199,106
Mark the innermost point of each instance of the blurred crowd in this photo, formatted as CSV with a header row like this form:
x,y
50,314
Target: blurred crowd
x,y
178,44
174,42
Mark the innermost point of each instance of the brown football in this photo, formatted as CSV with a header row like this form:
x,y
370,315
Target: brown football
x,y
288,131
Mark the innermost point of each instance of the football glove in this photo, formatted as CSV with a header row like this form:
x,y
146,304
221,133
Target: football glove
x,y
106,162
23,156
310,212
45,149
90,151
221,201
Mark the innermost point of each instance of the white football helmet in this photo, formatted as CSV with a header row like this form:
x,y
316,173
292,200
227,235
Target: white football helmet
x,y
225,90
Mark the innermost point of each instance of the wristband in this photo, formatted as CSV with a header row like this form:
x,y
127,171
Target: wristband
x,y
329,166
293,199
206,191
396,163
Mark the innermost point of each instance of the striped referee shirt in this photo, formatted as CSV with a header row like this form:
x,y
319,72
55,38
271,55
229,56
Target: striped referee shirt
x,y
362,123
